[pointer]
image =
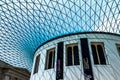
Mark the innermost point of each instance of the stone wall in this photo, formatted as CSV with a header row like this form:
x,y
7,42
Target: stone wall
x,y
8,72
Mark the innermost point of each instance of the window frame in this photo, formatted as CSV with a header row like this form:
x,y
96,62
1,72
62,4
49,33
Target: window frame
x,y
72,45
98,57
47,59
118,46
36,65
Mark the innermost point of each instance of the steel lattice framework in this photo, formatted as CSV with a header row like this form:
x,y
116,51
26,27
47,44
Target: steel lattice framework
x,y
26,24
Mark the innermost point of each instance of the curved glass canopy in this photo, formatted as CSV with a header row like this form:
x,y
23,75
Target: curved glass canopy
x,y
26,24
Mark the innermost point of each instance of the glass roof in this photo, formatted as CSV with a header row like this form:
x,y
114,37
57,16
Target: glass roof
x,y
26,24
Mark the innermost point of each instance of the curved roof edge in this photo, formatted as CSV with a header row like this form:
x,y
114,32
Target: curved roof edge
x,y
95,32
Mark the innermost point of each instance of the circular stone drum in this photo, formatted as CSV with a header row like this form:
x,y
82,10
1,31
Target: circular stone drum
x,y
80,56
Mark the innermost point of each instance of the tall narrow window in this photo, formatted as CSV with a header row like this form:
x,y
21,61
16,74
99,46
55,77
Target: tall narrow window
x,y
36,64
98,53
72,54
118,48
50,59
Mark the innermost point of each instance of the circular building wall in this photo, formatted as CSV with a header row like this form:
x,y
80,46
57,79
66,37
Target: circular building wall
x,y
85,56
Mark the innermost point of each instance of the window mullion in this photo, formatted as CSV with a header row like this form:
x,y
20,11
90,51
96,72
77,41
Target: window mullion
x,y
97,54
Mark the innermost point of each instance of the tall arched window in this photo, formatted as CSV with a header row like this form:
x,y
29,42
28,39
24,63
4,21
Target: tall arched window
x,y
50,59
36,64
72,54
98,53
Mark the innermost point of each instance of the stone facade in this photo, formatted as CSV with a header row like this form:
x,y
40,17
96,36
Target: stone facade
x,y
8,72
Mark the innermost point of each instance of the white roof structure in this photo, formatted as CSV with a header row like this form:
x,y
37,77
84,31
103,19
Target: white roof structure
x,y
26,24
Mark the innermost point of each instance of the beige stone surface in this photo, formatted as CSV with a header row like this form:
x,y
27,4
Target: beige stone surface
x,y
8,72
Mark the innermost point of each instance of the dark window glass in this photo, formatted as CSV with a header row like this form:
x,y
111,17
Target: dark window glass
x,y
94,54
50,59
36,64
69,56
76,55
119,50
118,47
101,54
